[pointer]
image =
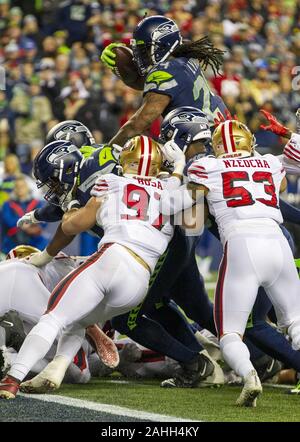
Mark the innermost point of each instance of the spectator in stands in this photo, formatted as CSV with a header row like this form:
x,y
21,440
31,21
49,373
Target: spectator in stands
x,y
21,201
33,111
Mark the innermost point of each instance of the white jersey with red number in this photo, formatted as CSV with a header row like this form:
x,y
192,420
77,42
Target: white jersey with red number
x,y
130,215
243,193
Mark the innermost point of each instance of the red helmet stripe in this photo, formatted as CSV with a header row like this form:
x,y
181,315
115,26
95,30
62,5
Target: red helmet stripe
x,y
223,137
231,137
142,156
149,156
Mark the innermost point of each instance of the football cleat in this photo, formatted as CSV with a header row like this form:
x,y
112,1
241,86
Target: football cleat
x,y
296,389
4,361
191,374
9,388
267,367
48,379
251,390
38,385
104,346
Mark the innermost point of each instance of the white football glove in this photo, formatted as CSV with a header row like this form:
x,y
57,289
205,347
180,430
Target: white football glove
x,y
28,218
39,259
174,155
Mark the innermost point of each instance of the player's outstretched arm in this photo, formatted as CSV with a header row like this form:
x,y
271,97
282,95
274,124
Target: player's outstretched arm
x,y
152,107
79,220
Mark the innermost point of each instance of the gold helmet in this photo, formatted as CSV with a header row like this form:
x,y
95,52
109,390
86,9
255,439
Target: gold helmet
x,y
233,139
141,156
21,252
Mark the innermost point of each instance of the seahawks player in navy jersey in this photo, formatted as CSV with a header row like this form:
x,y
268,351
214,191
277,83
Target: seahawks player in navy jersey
x,y
173,73
97,158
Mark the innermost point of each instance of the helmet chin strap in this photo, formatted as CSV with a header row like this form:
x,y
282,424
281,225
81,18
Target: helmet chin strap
x,y
237,154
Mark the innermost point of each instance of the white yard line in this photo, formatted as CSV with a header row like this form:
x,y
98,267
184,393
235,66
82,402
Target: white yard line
x,y
105,408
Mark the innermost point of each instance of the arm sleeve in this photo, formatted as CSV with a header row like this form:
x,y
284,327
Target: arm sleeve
x,y
291,150
49,213
203,172
101,187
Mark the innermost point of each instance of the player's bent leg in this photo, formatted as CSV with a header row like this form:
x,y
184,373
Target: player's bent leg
x,y
35,346
51,377
237,356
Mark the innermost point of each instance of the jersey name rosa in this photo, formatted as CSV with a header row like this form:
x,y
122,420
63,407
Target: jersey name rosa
x,y
149,182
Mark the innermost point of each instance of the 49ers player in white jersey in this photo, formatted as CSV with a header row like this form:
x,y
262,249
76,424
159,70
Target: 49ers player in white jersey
x,y
242,192
115,279
26,289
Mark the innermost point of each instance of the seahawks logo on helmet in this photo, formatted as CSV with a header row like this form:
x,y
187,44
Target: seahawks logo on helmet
x,y
189,118
60,153
164,29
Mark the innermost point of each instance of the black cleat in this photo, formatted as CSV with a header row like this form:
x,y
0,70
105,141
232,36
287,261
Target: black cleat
x,y
189,375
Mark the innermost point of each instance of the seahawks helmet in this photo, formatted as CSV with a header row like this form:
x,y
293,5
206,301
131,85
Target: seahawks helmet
x,y
154,39
56,168
71,130
185,125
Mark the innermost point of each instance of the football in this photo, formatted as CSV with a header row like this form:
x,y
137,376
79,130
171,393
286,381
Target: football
x,y
126,68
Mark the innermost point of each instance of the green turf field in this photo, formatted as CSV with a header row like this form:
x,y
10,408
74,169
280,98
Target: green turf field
x,y
204,404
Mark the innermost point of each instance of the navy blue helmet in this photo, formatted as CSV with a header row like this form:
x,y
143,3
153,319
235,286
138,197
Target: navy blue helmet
x,y
185,125
56,168
154,39
71,130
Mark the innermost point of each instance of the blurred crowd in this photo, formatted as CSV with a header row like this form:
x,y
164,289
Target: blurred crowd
x,y
50,50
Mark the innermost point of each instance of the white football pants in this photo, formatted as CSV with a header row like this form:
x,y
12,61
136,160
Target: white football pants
x,y
250,262
111,282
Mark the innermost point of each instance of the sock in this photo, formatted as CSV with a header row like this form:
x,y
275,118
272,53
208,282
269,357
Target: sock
x,y
33,349
236,354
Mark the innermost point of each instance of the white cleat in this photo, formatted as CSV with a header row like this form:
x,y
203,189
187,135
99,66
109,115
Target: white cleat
x,y
38,385
251,390
48,379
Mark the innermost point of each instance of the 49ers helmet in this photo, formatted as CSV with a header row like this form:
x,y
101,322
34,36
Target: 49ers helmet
x,y
233,139
141,156
21,251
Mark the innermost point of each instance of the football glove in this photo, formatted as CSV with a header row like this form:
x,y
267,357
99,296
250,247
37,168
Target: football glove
x,y
107,56
275,126
39,259
28,218
174,155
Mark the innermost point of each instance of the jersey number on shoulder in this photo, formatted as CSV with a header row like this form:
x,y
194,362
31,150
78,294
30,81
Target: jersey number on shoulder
x,y
137,198
238,196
